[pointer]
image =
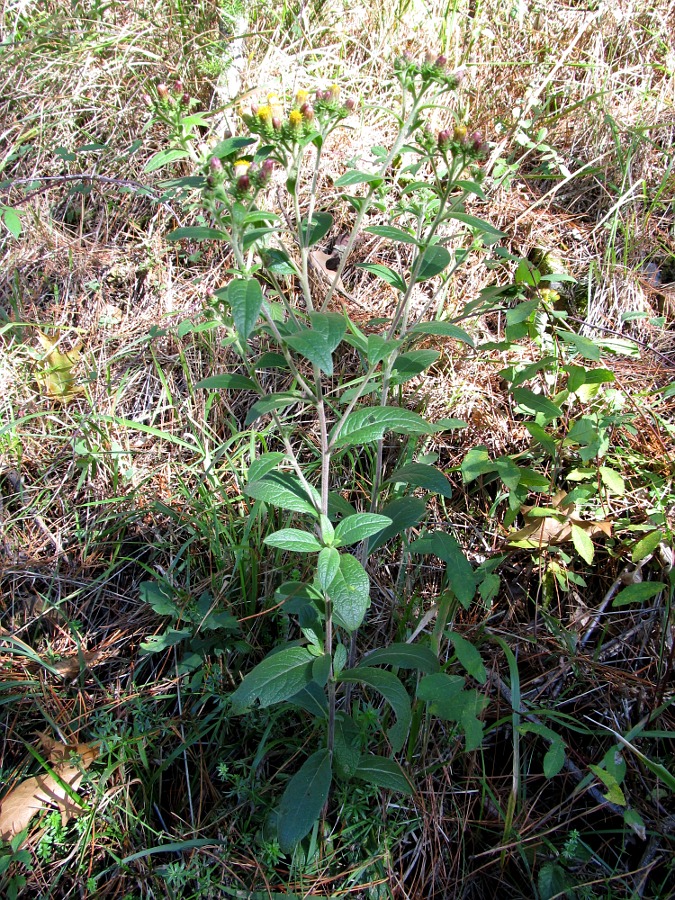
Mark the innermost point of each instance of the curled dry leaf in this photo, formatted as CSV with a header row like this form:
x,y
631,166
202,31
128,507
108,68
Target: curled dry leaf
x,y
544,531
57,377
23,801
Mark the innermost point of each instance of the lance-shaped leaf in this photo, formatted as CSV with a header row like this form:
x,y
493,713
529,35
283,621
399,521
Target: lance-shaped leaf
x,y
392,234
386,274
244,296
276,678
227,383
356,528
443,329
272,403
537,404
327,566
347,747
458,569
293,539
383,772
404,656
387,684
422,475
303,799
479,224
285,491
318,342
363,426
350,592
404,512
322,223
407,365
434,259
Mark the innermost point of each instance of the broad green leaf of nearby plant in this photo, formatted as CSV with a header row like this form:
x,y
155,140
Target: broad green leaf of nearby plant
x,y
364,426
392,233
422,475
393,692
536,404
614,793
443,329
276,678
407,365
468,656
293,539
639,592
228,383
448,700
358,527
434,259
282,490
244,295
386,274
383,772
404,512
458,572
272,403
327,567
303,799
350,592
404,656
322,223
318,342
582,543
477,462
479,224
197,233
163,158
646,545
347,746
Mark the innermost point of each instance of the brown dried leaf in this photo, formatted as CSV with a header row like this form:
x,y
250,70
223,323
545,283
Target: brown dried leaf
x,y
551,531
22,802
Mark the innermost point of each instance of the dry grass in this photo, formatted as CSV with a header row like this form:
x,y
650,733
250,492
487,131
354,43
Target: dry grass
x,y
139,477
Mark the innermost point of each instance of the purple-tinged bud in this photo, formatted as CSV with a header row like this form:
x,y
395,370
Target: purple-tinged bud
x,y
443,139
243,183
185,99
178,86
441,62
215,164
319,95
162,91
276,123
459,75
350,104
254,109
307,111
267,166
326,96
147,99
210,182
428,57
476,141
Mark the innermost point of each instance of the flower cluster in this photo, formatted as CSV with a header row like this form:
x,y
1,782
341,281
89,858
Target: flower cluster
x,y
240,178
305,116
170,97
432,70
459,142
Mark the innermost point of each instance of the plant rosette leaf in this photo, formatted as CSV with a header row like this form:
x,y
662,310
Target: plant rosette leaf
x,y
303,799
391,688
278,677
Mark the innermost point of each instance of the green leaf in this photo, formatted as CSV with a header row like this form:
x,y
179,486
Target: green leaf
x,y
439,687
554,759
553,881
413,363
272,403
293,539
614,793
387,684
434,259
347,745
646,545
245,298
283,490
318,342
583,345
422,475
227,383
350,593
231,146
476,463
327,567
454,704
582,543
458,572
404,656
363,426
355,177
322,223
536,404
379,348
303,799
197,233
163,158
468,656
542,437
479,224
321,670
404,512
12,221
265,463
392,234
521,312
383,772
638,593
386,274
358,527
158,596
276,678
443,329
157,643
613,480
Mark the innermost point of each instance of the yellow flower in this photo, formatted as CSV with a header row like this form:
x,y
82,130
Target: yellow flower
x,y
265,115
275,104
241,167
335,92
301,97
295,119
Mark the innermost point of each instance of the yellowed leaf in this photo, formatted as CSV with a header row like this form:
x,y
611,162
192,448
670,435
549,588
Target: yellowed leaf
x,y
552,530
23,801
57,377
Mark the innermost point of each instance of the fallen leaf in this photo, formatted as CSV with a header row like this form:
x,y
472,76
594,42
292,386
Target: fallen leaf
x,y
22,802
57,375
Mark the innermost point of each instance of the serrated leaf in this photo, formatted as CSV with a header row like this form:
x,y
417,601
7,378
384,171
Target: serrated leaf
x,y
387,684
386,274
278,677
245,298
293,539
383,772
434,260
350,593
303,799
227,383
392,233
358,527
443,329
327,566
582,543
163,158
404,512
646,545
468,656
458,572
282,490
404,656
536,404
422,475
638,593
363,426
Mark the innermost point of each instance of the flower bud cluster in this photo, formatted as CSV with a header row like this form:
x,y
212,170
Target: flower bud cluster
x,y
174,96
433,69
305,115
240,178
459,142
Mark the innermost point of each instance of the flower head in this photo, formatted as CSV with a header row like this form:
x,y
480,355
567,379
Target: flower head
x,y
241,167
295,119
265,116
301,96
